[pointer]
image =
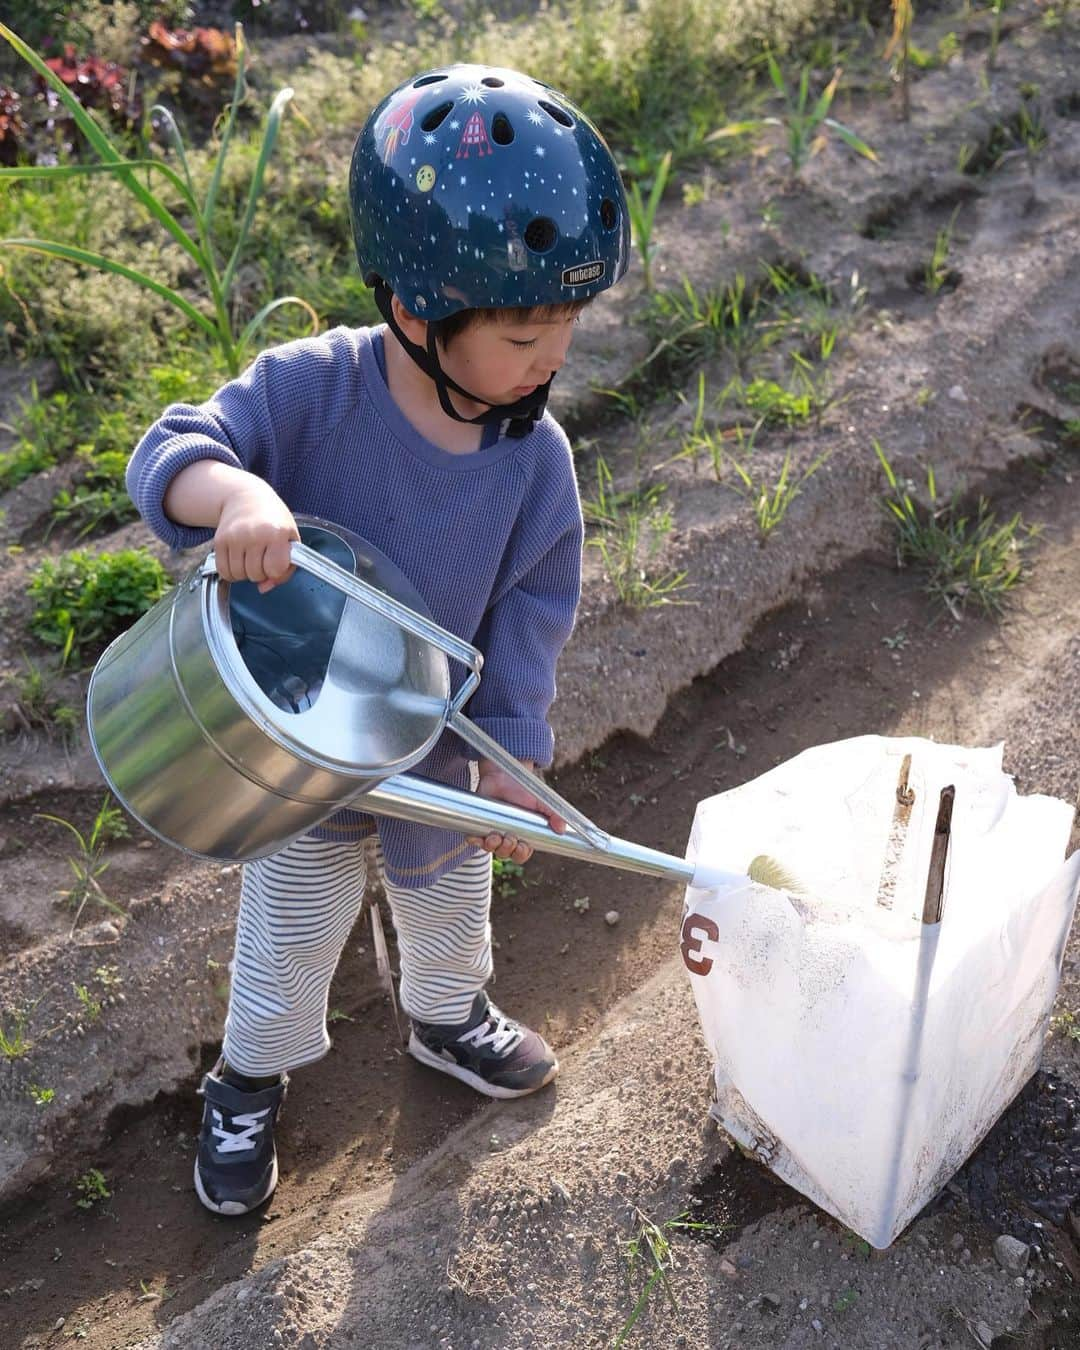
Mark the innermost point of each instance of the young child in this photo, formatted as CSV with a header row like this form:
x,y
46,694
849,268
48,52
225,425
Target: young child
x,y
487,211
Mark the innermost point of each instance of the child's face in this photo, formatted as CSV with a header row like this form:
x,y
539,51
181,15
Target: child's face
x,y
502,362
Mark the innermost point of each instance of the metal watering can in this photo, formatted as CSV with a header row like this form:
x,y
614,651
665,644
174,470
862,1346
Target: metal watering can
x,y
229,723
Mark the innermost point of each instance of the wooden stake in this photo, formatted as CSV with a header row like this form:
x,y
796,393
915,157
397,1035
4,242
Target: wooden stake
x,y
935,880
894,845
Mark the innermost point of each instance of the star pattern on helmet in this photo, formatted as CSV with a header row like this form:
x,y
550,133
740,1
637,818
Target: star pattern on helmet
x,y
463,235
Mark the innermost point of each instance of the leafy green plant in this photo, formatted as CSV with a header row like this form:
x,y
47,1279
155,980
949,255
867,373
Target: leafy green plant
x,y
804,122
89,863
632,524
1067,1024
14,1042
91,1005
967,559
200,246
84,600
45,431
507,876
93,1188
101,499
772,404
35,704
40,1096
643,214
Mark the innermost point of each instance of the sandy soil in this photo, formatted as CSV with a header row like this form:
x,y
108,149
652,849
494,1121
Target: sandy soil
x,y
413,1214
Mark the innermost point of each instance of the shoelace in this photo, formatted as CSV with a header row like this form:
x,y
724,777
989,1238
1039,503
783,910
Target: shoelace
x,y
495,1030
237,1141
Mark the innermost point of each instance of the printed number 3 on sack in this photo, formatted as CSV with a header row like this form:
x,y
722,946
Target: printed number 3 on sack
x,y
697,929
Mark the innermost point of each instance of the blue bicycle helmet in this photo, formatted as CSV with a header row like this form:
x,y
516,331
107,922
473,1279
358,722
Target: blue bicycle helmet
x,y
478,187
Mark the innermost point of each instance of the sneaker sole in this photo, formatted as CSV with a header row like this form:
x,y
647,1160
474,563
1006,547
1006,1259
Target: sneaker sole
x,y
420,1052
233,1208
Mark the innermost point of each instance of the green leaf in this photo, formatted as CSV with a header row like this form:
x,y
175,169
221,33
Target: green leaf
x,y
98,260
267,310
849,138
273,122
226,136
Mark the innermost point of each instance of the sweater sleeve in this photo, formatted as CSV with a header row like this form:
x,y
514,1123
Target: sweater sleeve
x,y
263,421
529,620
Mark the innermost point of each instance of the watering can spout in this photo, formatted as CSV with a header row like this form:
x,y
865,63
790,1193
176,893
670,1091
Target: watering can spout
x,y
706,877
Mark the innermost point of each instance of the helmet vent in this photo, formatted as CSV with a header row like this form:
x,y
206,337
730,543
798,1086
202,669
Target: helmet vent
x,y
492,82
609,214
558,114
436,117
540,234
427,79
502,133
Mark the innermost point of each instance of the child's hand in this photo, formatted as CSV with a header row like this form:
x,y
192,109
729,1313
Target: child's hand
x,y
252,539
499,785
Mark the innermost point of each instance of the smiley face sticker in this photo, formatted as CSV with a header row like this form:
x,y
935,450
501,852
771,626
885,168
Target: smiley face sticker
x,y
425,177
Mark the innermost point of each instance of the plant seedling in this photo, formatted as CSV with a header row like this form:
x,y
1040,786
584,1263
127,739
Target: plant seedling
x,y
507,876
772,499
622,518
804,123
1067,1023
40,1096
651,1245
937,272
14,1042
92,1188
643,215
88,864
967,560
91,1005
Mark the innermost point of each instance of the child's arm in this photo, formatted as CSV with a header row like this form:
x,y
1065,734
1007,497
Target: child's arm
x,y
227,468
522,635
252,525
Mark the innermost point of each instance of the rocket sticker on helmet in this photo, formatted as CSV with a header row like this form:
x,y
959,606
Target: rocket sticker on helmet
x,y
397,126
474,135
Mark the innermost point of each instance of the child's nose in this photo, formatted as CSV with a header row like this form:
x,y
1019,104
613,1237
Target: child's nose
x,y
554,357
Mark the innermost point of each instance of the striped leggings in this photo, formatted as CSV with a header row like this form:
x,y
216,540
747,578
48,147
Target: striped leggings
x,y
297,909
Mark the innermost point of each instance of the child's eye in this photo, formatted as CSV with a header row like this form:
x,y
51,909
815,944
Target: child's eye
x,y
530,342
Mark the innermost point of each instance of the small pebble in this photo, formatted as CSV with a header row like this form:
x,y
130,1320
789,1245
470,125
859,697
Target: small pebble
x,y
1011,1254
611,918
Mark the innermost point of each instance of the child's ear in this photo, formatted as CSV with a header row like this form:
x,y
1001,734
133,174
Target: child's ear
x,y
414,329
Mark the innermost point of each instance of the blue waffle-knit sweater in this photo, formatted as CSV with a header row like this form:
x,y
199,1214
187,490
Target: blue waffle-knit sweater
x,y
491,540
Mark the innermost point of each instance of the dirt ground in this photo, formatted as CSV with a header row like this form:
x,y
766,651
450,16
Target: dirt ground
x,y
410,1212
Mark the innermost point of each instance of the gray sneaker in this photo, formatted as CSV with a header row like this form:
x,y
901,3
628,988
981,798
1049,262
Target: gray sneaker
x,y
236,1165
490,1051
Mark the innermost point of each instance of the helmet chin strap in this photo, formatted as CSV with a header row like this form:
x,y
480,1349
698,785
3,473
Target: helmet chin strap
x,y
522,416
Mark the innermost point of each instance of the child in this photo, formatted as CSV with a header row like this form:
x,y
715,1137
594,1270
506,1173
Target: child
x,y
487,211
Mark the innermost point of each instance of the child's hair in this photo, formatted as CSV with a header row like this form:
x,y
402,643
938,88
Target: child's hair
x,y
448,327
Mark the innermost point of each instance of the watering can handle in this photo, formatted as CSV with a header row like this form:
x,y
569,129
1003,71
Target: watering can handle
x,y
390,608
